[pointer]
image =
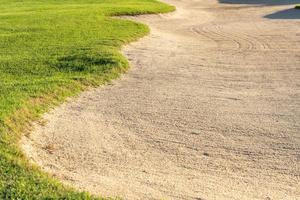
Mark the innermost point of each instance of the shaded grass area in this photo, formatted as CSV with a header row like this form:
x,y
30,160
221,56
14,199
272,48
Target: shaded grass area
x,y
297,6
51,50
287,14
261,2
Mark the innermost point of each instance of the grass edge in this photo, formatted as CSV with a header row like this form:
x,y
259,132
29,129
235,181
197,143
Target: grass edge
x,y
19,123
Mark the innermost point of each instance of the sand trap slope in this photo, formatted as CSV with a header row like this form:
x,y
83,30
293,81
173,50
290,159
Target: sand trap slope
x,y
209,110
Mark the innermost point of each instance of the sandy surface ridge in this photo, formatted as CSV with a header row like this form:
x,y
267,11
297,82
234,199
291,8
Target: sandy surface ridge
x,y
209,110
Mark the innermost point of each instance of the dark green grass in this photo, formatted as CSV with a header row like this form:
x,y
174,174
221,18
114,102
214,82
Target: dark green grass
x,y
50,50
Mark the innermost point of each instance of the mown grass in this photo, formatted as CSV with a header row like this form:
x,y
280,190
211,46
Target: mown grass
x,y
50,50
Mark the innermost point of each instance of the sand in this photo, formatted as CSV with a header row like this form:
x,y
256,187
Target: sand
x,y
209,110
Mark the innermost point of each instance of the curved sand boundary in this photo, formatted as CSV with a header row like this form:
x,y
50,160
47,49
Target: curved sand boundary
x,y
209,110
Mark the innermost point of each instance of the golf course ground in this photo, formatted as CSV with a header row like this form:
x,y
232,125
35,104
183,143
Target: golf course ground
x,y
51,50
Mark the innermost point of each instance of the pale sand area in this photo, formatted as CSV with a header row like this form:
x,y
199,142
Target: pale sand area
x,y
209,110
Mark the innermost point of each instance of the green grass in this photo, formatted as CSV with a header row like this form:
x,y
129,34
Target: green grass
x,y
50,50
297,6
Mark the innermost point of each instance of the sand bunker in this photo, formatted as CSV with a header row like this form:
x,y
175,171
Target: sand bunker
x,y
209,110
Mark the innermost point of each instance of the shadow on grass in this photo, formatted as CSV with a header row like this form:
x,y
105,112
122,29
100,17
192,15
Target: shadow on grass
x,y
285,14
262,2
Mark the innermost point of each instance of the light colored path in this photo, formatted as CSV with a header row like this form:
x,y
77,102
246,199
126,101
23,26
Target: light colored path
x,y
209,110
